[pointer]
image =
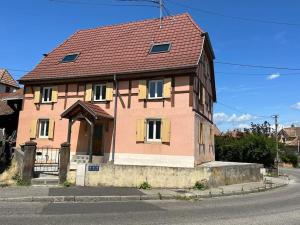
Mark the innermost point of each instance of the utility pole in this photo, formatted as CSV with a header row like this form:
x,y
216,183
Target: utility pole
x,y
276,136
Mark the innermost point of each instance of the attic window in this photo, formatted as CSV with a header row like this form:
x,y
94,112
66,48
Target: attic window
x,y
70,58
161,47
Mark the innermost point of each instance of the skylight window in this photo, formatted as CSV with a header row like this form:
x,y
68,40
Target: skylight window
x,y
70,58
161,47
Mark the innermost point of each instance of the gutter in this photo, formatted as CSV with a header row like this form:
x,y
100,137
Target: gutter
x,y
88,77
115,119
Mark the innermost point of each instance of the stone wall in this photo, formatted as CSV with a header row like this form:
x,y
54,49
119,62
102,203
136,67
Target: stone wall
x,y
19,157
217,174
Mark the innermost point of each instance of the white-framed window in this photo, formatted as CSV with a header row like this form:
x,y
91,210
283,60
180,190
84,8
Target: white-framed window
x,y
43,128
154,130
155,89
46,94
99,92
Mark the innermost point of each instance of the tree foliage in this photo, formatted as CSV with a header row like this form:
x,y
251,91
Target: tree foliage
x,y
255,145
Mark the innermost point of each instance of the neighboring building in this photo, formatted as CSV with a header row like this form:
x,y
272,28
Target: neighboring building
x,y
7,82
9,109
290,136
136,93
10,105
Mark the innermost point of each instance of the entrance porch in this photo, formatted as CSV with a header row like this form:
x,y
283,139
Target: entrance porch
x,y
89,132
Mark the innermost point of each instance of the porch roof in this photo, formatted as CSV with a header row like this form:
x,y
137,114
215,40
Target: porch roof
x,y
95,111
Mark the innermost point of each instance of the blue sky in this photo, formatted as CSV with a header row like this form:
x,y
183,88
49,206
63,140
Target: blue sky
x,y
33,27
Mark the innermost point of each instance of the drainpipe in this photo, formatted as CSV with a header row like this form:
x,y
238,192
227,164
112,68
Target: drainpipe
x,y
115,120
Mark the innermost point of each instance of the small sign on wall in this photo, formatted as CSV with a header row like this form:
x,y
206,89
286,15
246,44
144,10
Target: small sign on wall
x,y
93,167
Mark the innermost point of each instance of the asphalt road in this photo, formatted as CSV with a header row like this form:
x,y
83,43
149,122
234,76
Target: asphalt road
x,y
277,207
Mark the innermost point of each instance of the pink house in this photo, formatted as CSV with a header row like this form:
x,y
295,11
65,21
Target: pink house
x,y
135,94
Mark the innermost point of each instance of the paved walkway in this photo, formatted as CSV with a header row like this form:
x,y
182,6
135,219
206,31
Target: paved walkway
x,y
95,194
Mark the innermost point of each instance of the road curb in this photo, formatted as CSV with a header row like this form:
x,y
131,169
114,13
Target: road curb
x,y
187,196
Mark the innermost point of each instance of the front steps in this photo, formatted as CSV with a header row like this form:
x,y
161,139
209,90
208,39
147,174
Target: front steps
x,y
44,179
80,159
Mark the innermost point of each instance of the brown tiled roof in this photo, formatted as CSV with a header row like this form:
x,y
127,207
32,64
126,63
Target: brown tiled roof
x,y
292,131
124,48
5,109
94,110
18,94
7,79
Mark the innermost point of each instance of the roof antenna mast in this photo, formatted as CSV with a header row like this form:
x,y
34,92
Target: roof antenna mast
x,y
160,12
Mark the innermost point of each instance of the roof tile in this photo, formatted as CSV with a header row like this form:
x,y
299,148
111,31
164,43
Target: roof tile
x,y
7,79
124,48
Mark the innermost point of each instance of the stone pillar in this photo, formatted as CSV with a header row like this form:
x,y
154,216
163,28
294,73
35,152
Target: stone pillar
x,y
64,159
28,161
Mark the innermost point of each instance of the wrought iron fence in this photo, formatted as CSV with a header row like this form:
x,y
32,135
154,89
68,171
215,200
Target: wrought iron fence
x,y
46,160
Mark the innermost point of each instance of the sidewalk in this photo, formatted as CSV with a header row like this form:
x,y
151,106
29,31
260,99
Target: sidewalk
x,y
98,194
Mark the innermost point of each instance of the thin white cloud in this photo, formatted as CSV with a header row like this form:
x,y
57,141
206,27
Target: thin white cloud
x,y
223,117
296,106
243,125
273,76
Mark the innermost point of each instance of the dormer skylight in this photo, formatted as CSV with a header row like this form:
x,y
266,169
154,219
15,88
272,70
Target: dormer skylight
x,y
160,47
70,58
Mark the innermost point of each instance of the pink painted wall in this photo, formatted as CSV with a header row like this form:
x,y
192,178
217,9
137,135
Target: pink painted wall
x,y
181,116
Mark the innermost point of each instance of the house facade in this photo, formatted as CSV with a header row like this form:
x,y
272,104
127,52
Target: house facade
x,y
140,93
290,136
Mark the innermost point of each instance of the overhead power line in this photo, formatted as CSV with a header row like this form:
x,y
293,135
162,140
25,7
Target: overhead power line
x,y
239,111
249,19
257,66
253,74
75,2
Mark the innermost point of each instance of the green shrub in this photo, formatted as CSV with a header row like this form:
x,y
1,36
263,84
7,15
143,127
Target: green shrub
x,y
67,184
252,148
289,157
145,185
19,181
201,185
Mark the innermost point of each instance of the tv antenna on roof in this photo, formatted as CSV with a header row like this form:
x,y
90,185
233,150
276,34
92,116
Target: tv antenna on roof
x,y
160,12
158,3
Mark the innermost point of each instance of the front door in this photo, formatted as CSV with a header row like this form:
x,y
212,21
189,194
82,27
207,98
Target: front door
x,y
98,139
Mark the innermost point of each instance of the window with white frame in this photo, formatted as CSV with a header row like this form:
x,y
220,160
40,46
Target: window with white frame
x,y
43,128
155,89
46,94
99,92
154,130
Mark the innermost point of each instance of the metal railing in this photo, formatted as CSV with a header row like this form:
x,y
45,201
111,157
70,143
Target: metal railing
x,y
46,160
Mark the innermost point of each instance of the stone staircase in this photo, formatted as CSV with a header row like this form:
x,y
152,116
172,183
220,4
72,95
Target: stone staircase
x,y
80,159
45,180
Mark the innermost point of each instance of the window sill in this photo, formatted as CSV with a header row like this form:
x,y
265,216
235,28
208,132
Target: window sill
x,y
153,142
104,100
155,99
100,101
45,103
43,137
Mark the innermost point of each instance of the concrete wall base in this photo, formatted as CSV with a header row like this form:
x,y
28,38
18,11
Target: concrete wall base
x,y
216,173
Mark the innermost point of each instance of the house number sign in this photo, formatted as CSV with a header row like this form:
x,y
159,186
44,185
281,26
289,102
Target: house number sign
x,y
93,167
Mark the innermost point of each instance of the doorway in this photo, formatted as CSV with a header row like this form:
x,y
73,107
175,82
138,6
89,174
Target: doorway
x,y
98,140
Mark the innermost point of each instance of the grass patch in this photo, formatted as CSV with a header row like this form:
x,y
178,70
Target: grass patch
x,y
201,185
20,182
145,185
6,178
185,198
67,184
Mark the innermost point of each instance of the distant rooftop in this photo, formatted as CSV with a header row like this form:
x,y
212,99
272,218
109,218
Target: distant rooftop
x,y
7,79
